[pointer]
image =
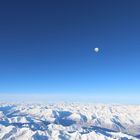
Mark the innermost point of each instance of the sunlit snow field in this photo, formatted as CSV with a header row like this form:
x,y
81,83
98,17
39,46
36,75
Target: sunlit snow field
x,y
69,121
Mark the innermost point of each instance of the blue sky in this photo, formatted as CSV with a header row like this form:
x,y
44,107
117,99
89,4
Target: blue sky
x,y
46,47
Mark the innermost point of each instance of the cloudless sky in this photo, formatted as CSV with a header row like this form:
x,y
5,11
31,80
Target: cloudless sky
x,y
46,47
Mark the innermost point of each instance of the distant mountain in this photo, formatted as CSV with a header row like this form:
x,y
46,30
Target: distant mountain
x,y
69,122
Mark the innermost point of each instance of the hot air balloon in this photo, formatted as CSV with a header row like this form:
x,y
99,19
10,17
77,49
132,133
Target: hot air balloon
x,y
96,50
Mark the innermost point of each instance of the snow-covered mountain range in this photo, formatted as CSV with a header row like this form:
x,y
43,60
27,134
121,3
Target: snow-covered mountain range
x,y
69,121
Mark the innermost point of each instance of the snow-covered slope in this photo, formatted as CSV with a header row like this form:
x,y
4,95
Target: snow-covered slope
x,y
69,122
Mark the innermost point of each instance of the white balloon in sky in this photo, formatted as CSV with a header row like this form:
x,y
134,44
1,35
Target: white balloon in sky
x,y
96,50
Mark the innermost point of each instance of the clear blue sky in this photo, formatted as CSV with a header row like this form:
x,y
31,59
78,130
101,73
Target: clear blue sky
x,y
46,47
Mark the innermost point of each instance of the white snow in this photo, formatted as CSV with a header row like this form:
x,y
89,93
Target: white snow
x,y
69,121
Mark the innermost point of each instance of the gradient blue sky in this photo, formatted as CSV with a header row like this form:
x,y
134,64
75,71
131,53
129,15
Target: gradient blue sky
x,y
46,47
